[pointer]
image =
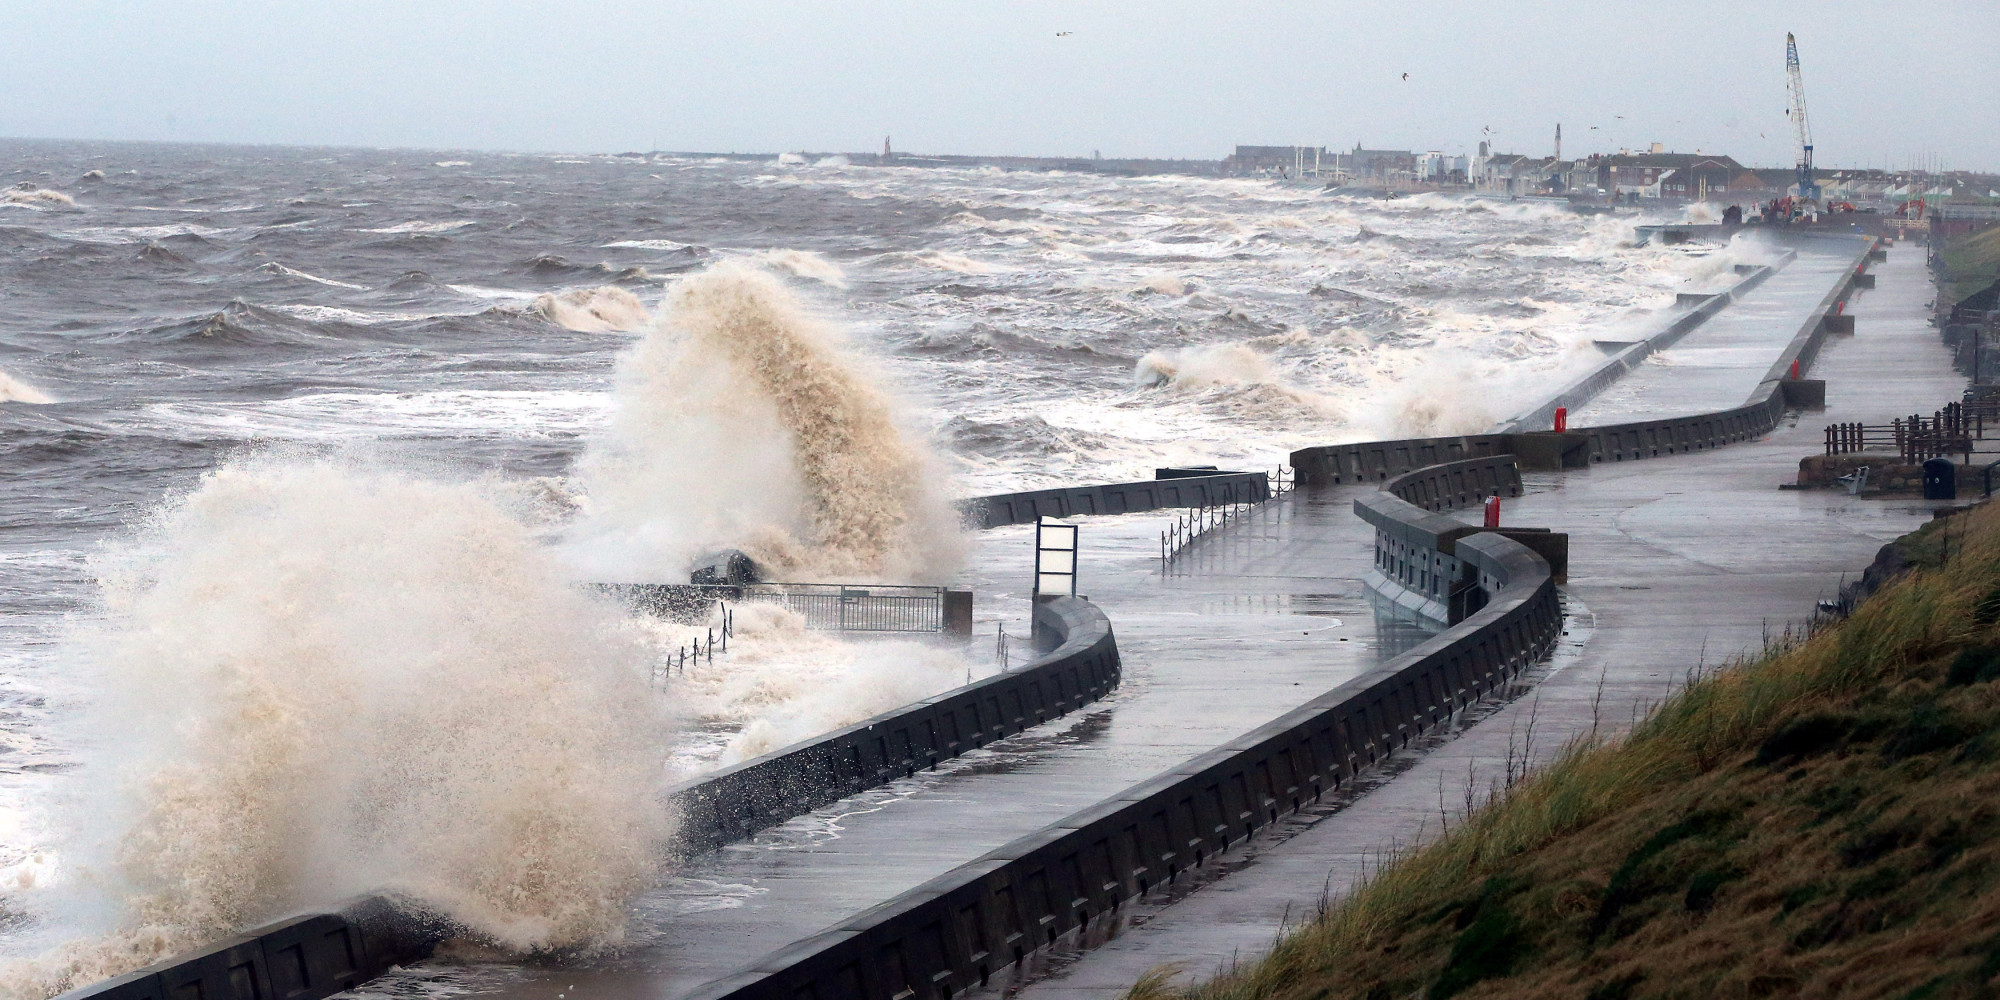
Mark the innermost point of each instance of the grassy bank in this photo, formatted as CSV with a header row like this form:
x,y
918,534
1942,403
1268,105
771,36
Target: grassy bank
x,y
1822,822
1970,264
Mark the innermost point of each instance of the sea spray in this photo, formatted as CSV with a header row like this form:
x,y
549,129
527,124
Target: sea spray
x,y
323,678
782,682
742,422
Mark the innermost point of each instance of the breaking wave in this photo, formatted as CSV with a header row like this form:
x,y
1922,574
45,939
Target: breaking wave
x,y
806,264
324,678
1235,370
740,421
27,193
594,310
13,390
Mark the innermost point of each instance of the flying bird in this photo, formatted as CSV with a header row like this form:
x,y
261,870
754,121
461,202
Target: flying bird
x,y
1593,128
1064,34
1406,76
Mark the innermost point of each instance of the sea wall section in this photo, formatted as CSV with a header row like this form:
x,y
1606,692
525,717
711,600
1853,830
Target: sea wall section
x,y
739,800
957,931
1378,461
1117,498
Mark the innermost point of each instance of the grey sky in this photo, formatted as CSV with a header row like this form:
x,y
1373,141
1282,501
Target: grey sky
x,y
1132,79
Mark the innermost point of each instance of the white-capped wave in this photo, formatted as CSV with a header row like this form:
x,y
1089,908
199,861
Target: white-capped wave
x,y
606,309
14,390
276,268
420,226
28,194
649,245
804,264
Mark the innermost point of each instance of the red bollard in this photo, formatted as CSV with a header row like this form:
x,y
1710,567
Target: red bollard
x,y
1492,512
1562,419
1840,308
1795,369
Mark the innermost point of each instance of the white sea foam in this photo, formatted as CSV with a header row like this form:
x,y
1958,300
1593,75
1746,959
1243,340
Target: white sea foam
x,y
741,421
14,390
321,678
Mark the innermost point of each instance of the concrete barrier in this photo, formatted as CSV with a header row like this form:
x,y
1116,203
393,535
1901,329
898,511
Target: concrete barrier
x,y
1334,465
301,958
1629,356
738,801
959,930
1175,488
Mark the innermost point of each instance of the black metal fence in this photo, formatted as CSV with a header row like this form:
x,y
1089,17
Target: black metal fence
x,y
850,608
830,606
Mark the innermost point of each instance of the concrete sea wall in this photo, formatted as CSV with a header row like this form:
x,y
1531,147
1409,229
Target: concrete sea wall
x,y
737,801
1117,498
957,931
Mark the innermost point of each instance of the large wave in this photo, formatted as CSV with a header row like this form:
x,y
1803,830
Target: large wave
x,y
323,678
740,421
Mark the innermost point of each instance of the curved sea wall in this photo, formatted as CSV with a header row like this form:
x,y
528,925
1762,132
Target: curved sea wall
x,y
1378,461
955,932
1117,498
739,800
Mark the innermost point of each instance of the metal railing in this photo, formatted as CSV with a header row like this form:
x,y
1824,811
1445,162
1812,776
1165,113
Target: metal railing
x,y
857,608
1198,521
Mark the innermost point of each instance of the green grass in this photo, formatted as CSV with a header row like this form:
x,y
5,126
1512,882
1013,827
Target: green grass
x,y
1824,821
1971,263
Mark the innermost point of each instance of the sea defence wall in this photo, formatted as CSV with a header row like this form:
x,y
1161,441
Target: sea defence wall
x,y
1417,564
300,958
1629,355
955,932
739,800
1378,461
319,954
1177,490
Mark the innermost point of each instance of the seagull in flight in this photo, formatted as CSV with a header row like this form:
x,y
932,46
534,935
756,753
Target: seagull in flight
x,y
1406,76
1064,34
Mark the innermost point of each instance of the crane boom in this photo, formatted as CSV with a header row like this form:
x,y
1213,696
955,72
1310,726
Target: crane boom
x,y
1802,144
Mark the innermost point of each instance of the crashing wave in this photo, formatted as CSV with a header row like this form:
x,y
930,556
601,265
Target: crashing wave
x,y
594,310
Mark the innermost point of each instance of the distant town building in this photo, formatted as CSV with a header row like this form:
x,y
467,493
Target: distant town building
x,y
1277,161
1676,176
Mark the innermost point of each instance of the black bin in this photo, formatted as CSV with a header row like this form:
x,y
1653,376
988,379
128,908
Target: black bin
x,y
1940,479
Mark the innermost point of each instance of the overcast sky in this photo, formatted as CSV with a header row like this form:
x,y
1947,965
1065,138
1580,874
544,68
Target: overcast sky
x,y
1130,79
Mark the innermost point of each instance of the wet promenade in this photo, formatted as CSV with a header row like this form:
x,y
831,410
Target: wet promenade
x,y
1674,561
1242,627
